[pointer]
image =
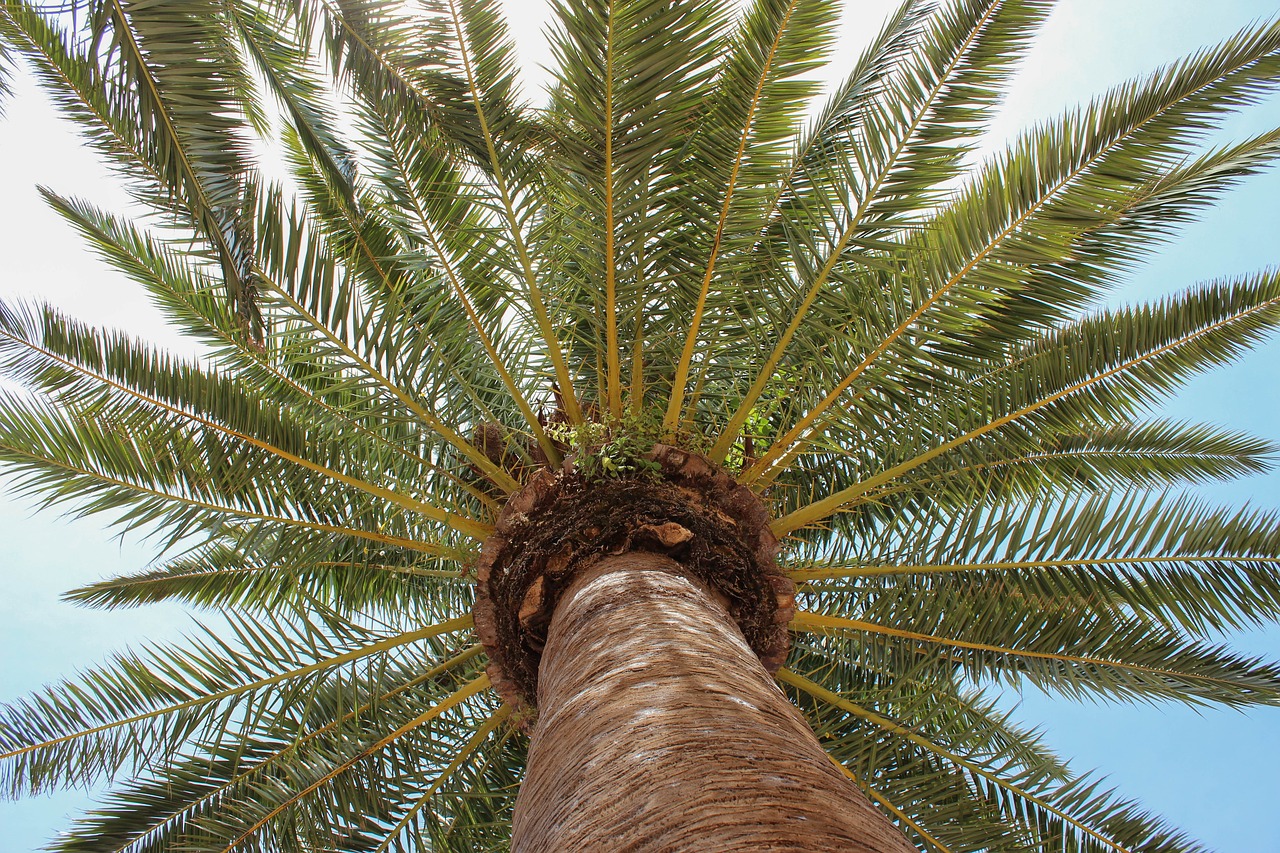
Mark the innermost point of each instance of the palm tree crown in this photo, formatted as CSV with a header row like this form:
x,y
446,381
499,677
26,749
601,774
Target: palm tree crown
x,y
897,344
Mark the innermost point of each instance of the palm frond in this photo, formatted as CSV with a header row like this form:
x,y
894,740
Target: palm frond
x,y
137,709
1172,560
1108,373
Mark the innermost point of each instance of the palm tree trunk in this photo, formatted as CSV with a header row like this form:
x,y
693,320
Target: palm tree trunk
x,y
659,729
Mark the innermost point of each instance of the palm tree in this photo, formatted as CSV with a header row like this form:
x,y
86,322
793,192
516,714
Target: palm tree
x,y
653,468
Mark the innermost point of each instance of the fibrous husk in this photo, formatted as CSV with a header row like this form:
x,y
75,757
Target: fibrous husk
x,y
560,523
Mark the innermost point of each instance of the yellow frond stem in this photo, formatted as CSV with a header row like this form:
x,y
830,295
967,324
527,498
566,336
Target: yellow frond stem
x,y
890,807
848,497
461,623
563,378
822,694
838,572
614,380
671,421
819,623
455,283
455,699
480,735
253,769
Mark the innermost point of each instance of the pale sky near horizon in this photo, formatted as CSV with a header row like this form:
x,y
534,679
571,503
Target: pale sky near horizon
x,y
1213,772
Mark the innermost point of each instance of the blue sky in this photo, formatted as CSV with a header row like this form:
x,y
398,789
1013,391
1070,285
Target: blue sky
x,y
1212,771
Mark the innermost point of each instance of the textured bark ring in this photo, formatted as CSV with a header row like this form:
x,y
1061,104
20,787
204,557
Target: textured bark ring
x,y
560,524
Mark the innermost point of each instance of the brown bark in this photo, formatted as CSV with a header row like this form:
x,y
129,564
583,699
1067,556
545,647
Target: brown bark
x,y
561,523
660,730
